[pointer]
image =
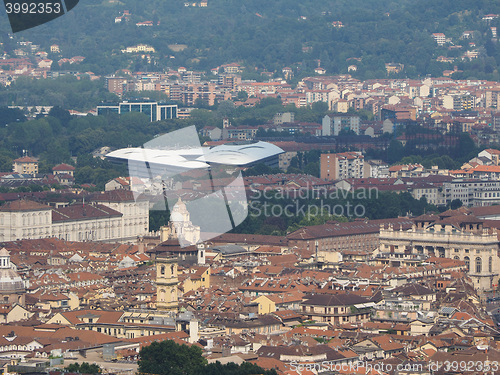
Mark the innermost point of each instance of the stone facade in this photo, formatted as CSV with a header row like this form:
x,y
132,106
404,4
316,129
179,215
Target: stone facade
x,y
450,235
113,218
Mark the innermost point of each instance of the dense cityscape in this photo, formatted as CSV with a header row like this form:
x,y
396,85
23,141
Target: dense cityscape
x,y
296,190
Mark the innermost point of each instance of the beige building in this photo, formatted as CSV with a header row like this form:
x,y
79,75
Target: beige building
x,y
450,235
342,166
116,217
166,284
25,165
113,323
135,219
25,219
337,308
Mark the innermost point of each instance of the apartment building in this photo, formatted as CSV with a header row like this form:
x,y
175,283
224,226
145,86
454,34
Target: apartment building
x,y
334,124
440,38
337,309
25,165
342,165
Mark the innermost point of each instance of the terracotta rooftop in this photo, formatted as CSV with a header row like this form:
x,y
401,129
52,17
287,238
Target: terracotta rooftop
x,y
83,212
23,205
25,159
63,167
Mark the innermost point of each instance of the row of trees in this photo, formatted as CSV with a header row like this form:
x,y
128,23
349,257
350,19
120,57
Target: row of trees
x,y
278,214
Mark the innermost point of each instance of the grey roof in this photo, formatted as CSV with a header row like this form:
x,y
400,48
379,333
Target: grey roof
x,y
412,289
335,300
447,310
197,157
230,249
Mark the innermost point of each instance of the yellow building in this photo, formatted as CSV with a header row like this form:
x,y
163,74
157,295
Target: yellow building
x,y
276,302
25,165
266,304
200,278
166,284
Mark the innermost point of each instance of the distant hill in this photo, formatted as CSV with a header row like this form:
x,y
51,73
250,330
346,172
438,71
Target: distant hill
x,y
269,35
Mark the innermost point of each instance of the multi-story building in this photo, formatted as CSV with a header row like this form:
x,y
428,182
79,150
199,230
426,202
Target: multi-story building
x,y
135,212
492,99
459,102
156,111
243,133
113,217
342,165
25,165
334,124
339,237
440,38
450,235
117,85
282,118
472,192
432,193
337,308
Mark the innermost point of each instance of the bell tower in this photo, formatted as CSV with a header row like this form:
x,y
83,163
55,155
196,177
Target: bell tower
x,y
166,283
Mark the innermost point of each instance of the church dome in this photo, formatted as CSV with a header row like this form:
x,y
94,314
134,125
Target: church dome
x,y
10,281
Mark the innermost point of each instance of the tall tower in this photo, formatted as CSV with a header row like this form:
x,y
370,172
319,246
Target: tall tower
x,y
166,283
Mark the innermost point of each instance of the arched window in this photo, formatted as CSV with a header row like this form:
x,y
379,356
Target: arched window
x,y
172,268
479,265
161,297
162,270
490,264
456,257
467,263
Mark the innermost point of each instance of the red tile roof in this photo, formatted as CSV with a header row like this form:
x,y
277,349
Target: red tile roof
x,y
83,212
63,167
23,205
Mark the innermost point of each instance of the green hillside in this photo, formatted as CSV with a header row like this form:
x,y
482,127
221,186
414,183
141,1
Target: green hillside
x,y
269,35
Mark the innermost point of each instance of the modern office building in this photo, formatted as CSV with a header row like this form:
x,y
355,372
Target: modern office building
x,y
156,111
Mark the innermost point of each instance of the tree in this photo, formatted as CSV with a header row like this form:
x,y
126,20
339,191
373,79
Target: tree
x,y
61,114
242,96
455,203
169,358
84,368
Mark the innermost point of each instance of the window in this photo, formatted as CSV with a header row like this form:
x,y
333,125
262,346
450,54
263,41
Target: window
x,y
162,270
490,264
467,263
478,265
